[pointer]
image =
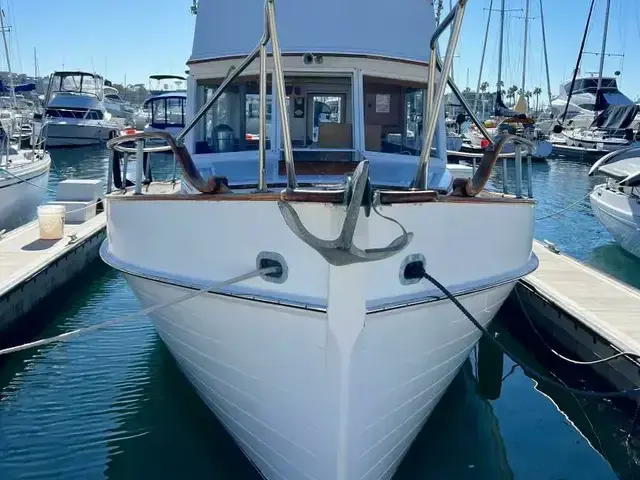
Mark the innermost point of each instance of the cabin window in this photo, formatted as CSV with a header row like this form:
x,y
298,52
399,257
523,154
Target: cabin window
x,y
77,83
232,124
393,113
168,112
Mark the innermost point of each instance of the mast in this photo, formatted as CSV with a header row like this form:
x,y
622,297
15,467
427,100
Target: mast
x,y
484,50
452,76
604,43
526,35
546,59
499,85
6,52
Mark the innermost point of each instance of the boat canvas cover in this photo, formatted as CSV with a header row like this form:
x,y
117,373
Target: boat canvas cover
x,y
616,117
26,87
501,110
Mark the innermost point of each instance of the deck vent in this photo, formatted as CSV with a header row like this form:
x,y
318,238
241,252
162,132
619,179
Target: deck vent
x,y
272,259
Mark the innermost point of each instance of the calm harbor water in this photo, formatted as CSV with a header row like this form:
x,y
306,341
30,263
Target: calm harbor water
x,y
114,405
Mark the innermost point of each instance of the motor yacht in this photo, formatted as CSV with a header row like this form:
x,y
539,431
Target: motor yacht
x,y
327,364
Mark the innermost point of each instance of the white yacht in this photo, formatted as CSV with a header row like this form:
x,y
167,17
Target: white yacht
x,y
616,203
24,175
329,364
116,106
166,106
75,114
583,105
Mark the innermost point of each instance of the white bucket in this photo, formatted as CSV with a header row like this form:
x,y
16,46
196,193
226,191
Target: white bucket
x,y
51,221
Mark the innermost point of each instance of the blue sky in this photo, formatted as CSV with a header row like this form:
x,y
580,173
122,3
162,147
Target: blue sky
x,y
564,21
137,38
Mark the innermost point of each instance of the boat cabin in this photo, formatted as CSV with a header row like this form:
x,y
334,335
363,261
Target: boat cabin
x,y
345,99
112,94
75,95
166,110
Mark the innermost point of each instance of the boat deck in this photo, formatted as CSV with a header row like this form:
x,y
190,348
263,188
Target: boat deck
x,y
588,312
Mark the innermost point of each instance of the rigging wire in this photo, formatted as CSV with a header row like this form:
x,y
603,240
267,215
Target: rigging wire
x,y
578,61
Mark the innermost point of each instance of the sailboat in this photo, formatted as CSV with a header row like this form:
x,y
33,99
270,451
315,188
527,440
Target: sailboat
x,y
327,360
613,114
516,120
23,173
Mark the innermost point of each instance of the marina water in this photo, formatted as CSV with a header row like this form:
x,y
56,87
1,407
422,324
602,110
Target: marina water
x,y
113,404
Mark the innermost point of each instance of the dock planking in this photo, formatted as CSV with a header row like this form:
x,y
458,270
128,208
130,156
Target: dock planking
x,y
589,313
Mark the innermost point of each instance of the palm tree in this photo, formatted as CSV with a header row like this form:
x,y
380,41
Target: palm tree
x,y
500,84
484,86
527,95
537,91
511,93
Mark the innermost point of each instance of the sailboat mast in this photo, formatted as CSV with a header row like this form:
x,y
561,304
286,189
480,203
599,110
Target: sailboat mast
x,y
526,35
546,59
452,76
484,50
604,43
6,52
499,85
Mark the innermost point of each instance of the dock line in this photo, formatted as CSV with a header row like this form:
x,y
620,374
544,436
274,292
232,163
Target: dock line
x,y
46,189
420,272
78,331
629,355
569,207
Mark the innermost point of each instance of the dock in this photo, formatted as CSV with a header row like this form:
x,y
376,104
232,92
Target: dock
x,y
586,311
31,268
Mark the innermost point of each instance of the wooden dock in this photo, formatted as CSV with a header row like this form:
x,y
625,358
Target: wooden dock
x,y
31,269
588,312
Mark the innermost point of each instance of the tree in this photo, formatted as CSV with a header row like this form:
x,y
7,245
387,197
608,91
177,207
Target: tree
x,y
511,93
537,91
500,84
527,95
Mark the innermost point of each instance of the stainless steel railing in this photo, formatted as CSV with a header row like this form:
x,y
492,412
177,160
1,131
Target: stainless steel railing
x,y
269,33
435,98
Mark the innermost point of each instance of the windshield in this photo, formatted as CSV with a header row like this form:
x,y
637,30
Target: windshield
x,y
167,111
617,98
78,83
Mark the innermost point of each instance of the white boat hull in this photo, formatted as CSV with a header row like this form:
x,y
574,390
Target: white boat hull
x,y
620,215
331,374
273,377
19,197
70,133
603,145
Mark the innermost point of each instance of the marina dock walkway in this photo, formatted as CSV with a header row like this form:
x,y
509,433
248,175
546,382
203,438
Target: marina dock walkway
x,y
588,312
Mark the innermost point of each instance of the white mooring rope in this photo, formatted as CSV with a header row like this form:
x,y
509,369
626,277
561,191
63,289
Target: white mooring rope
x,y
107,323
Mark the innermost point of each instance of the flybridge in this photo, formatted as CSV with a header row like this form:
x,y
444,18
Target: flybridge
x,y
356,27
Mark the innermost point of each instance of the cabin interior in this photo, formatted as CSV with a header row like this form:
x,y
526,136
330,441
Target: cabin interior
x,y
321,115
